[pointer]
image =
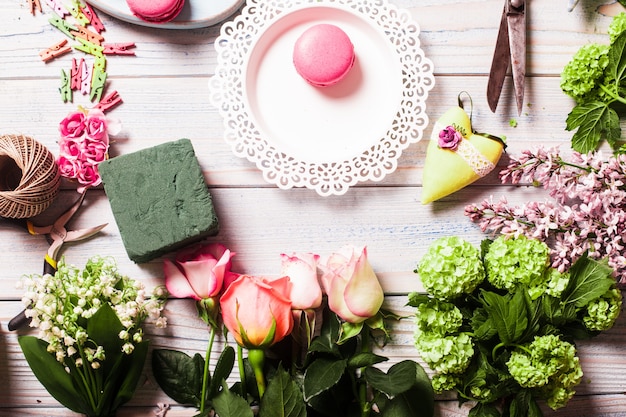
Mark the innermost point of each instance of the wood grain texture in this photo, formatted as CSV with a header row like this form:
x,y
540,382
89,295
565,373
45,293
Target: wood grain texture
x,y
165,93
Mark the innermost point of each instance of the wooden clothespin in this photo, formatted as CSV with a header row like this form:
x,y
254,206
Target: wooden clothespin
x,y
76,12
66,89
86,34
118,48
100,62
76,73
98,80
34,6
109,101
85,79
58,7
93,18
62,25
88,47
55,50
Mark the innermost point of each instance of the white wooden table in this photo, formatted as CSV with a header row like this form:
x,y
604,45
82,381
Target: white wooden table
x,y
164,88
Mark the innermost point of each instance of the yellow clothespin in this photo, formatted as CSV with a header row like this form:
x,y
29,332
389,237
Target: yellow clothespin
x,y
55,50
66,87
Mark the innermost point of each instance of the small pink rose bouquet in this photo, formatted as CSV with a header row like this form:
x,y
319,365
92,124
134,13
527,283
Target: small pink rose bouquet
x,y
83,144
307,333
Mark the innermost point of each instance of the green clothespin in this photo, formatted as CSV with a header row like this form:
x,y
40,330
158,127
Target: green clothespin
x,y
75,11
63,26
66,87
89,47
97,84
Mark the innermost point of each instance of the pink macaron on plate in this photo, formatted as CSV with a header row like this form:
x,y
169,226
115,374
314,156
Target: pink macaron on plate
x,y
195,13
323,138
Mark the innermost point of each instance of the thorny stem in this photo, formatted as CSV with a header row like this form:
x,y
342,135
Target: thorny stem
x,y
242,372
205,376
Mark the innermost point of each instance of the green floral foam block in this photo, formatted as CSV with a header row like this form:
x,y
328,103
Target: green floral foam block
x,y
159,199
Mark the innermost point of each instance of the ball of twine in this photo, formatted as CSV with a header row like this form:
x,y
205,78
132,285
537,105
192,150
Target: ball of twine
x,y
29,177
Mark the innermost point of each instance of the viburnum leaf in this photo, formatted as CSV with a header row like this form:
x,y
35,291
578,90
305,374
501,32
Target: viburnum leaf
x,y
617,59
595,121
508,314
589,279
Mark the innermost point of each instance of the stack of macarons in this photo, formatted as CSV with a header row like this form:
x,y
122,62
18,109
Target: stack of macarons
x,y
156,11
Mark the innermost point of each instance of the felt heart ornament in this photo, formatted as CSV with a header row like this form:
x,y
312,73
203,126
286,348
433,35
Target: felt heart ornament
x,y
457,156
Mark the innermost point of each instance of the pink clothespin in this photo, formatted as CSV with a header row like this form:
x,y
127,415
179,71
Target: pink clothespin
x,y
76,73
65,90
93,18
118,48
58,7
109,101
34,6
55,50
85,80
86,34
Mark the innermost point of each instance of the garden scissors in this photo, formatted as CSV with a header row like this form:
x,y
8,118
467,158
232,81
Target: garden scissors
x,y
510,52
56,235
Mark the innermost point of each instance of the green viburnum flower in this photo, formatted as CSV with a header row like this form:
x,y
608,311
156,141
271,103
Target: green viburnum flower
x,y
445,382
581,76
550,364
451,267
445,354
513,261
602,312
438,317
617,26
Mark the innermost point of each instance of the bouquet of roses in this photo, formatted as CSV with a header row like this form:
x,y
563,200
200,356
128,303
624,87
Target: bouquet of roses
x,y
90,351
498,324
295,364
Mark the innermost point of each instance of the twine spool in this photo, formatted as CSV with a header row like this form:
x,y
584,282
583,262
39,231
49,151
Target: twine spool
x,y
29,177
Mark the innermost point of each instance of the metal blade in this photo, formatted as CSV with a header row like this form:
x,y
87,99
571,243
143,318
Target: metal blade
x,y
517,37
499,65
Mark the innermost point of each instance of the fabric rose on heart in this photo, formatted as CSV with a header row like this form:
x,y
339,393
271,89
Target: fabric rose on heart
x,y
199,273
351,285
449,138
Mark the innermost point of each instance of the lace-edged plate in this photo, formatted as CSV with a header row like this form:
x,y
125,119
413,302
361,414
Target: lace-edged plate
x,y
330,138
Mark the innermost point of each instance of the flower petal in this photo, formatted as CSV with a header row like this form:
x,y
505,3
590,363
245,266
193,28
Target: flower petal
x,y
176,283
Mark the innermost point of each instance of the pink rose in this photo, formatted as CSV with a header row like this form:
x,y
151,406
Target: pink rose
x,y
302,271
96,126
73,126
70,147
449,138
198,272
93,151
68,168
257,310
351,285
87,175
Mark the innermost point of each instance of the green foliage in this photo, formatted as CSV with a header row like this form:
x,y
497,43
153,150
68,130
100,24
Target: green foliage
x,y
508,342
596,78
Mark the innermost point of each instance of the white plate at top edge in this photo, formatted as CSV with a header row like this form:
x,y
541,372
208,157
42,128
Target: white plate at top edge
x,y
195,13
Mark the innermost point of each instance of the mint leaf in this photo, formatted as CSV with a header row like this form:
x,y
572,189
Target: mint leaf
x,y
508,314
589,279
595,121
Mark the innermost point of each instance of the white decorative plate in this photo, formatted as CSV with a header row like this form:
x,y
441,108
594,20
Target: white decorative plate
x,y
326,139
195,13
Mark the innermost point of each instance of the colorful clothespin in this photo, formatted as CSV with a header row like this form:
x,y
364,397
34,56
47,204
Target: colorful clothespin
x,y
109,101
86,34
118,48
85,80
100,62
76,73
66,88
34,6
55,50
58,7
78,14
62,25
93,18
88,47
98,80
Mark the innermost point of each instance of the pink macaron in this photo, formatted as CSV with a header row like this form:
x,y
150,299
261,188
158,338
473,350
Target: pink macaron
x,y
323,55
156,11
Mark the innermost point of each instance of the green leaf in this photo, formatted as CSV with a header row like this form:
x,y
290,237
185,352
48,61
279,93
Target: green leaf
x,y
589,279
508,314
131,368
51,374
228,404
321,375
283,397
595,121
617,59
103,328
416,298
481,325
524,405
348,331
484,410
223,368
326,342
179,375
361,360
